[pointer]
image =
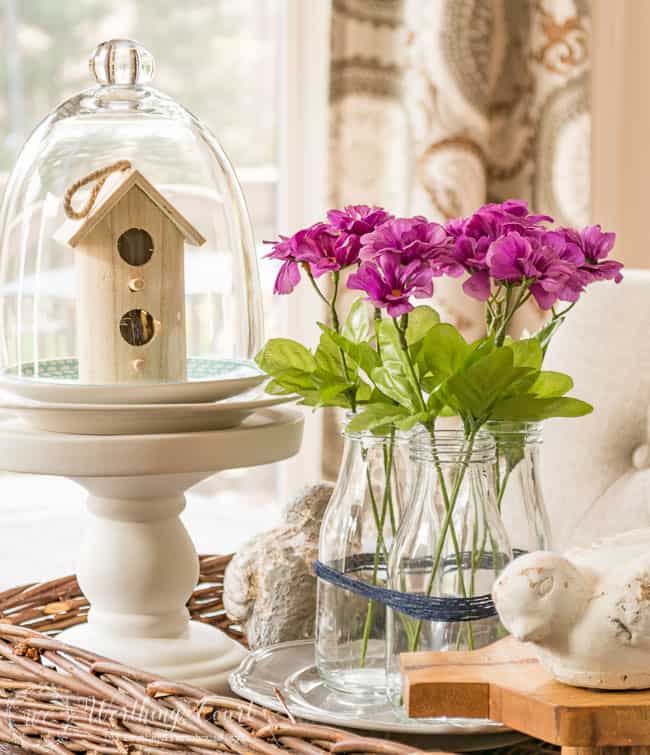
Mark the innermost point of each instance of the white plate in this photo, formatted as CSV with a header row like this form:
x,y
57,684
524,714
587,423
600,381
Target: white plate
x,y
140,419
208,380
289,668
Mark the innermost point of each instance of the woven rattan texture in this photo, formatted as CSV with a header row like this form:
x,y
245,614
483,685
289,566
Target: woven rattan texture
x,y
58,699
54,606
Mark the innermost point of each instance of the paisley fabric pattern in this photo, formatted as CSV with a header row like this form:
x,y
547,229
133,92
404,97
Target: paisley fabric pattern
x,y
497,96
438,106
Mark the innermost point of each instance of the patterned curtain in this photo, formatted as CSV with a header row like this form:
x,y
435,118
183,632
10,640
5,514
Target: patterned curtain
x,y
438,106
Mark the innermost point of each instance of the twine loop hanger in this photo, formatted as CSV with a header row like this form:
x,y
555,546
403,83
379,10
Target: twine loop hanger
x,y
98,177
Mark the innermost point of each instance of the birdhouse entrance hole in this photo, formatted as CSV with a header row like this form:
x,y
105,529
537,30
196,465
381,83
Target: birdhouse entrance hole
x,y
135,246
137,327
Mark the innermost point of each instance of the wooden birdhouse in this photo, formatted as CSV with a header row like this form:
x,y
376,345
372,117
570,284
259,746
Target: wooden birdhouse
x,y
129,242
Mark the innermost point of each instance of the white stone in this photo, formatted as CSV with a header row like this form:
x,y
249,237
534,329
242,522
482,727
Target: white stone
x,y
269,586
587,612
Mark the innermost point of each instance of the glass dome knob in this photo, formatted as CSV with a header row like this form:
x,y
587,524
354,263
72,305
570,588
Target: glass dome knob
x,y
122,62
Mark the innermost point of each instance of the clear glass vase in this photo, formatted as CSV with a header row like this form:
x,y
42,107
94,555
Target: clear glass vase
x,y
449,550
357,532
518,485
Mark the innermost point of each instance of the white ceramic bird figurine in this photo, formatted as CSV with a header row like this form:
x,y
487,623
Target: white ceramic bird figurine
x,y
586,612
269,586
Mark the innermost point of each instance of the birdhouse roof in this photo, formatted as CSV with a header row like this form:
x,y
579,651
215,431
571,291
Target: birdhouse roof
x,y
116,187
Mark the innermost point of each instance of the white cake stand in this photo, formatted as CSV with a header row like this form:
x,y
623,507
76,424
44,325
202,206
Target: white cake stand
x,y
138,565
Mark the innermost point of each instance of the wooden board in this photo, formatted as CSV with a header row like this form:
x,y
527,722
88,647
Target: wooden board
x,y
506,683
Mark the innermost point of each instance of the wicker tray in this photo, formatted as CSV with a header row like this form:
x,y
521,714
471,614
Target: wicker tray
x,y
55,698
54,606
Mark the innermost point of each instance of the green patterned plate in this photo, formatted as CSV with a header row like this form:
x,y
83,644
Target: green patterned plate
x,y
57,380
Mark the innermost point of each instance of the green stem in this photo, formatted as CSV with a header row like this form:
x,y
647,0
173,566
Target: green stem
x,y
331,306
401,330
335,317
380,520
447,524
564,312
321,295
523,297
502,484
449,503
377,324
388,493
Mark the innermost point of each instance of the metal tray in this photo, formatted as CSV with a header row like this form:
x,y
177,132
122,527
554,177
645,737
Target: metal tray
x,y
283,677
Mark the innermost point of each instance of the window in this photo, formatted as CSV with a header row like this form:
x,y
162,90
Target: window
x,y
240,66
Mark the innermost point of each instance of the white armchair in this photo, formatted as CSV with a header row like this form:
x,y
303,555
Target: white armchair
x,y
596,469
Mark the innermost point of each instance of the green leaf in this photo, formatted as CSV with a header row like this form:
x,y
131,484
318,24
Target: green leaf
x,y
376,415
332,391
437,401
521,385
366,357
546,333
395,385
477,388
293,380
409,422
279,354
356,327
389,340
275,388
328,356
551,384
510,449
527,353
443,352
479,349
361,354
315,399
378,397
364,392
420,322
394,374
533,409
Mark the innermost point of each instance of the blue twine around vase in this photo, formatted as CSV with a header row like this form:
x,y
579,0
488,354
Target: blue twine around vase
x,y
416,605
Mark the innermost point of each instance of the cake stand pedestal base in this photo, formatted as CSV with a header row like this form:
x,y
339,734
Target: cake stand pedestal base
x,y
137,564
202,655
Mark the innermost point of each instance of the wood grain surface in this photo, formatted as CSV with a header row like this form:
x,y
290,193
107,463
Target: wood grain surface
x,y
506,683
104,297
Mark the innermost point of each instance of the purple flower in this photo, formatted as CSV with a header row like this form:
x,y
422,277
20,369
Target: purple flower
x,y
493,220
290,250
470,254
456,227
595,247
321,248
412,239
559,276
545,262
516,210
327,251
510,258
390,285
358,219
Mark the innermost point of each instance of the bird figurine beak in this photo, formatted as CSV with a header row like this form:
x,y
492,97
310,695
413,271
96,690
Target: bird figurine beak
x,y
529,629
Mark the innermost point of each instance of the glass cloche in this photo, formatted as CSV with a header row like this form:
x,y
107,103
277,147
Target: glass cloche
x,y
127,256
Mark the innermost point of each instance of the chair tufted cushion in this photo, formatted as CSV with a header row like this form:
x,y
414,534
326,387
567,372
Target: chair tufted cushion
x,y
591,484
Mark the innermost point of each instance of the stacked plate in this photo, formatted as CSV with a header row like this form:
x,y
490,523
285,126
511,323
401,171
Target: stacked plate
x,y
217,395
